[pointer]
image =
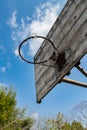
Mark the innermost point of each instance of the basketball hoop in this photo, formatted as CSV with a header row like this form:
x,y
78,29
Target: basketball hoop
x,y
70,37
34,37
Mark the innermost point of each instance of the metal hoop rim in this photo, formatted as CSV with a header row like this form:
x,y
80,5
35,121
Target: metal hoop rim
x,y
32,37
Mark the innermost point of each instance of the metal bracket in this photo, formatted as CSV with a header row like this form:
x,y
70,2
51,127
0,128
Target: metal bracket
x,y
81,70
66,80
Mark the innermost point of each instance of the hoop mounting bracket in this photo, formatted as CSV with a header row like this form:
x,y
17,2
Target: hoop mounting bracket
x,y
81,84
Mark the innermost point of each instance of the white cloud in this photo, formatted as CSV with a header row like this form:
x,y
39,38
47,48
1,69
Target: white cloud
x,y
16,52
8,64
40,24
39,122
28,18
45,16
21,32
35,117
3,68
2,49
12,21
2,84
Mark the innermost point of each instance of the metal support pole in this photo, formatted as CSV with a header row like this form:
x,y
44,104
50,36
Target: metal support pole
x,y
81,70
66,80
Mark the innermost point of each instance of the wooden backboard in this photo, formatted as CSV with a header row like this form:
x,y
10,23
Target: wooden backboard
x,y
69,35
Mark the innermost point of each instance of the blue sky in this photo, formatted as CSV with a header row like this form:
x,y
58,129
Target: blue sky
x,y
18,20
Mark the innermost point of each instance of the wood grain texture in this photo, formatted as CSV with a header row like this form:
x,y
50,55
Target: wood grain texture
x,y
69,36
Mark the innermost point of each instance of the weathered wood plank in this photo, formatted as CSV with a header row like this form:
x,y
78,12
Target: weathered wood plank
x,y
58,37
65,40
81,46
69,35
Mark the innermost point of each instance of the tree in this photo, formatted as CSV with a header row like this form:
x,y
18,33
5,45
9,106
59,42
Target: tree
x,y
59,124
55,124
59,120
76,126
12,118
79,113
73,126
66,126
7,106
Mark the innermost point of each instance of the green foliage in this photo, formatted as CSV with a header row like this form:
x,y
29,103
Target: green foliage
x,y
7,106
76,126
59,124
12,118
55,124
27,122
66,126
